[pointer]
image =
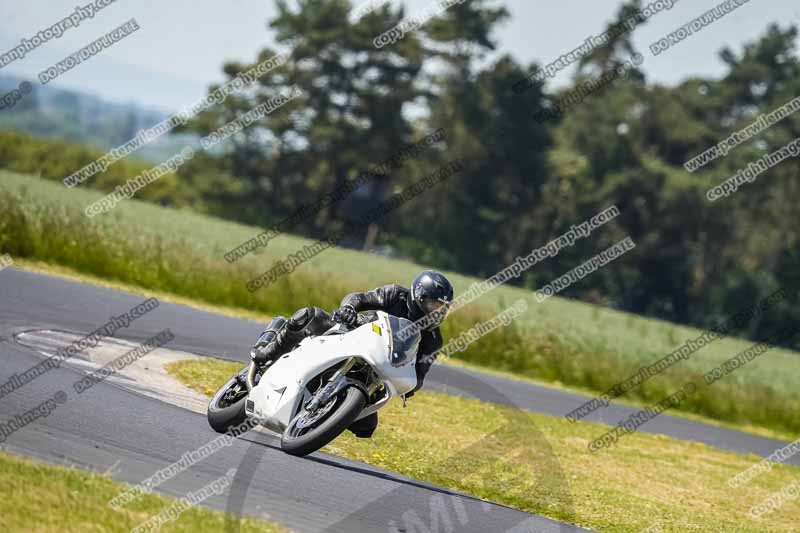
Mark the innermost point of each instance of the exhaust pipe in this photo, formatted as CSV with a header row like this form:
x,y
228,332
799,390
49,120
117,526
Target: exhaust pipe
x,y
251,376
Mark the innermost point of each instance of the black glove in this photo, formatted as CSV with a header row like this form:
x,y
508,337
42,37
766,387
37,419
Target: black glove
x,y
347,315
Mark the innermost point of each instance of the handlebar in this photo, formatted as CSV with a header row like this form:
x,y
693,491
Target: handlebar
x,y
360,320
335,317
252,369
338,319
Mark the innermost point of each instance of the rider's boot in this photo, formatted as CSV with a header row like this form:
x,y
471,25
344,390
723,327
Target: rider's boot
x,y
266,347
282,335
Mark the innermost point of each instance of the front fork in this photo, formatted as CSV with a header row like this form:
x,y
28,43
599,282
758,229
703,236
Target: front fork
x,y
338,382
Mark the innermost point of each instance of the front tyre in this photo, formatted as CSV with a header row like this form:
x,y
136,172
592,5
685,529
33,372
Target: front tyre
x,y
226,408
308,432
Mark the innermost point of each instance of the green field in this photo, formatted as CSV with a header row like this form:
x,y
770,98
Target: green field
x,y
559,341
541,464
50,499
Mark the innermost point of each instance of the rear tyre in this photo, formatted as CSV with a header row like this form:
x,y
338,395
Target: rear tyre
x,y
226,408
301,441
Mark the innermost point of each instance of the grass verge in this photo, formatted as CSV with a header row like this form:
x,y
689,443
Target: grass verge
x,y
68,273
572,343
520,459
630,402
44,498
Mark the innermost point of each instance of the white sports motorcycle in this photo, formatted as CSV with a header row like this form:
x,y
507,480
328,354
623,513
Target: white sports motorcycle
x,y
315,392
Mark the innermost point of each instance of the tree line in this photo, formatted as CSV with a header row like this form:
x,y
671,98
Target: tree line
x,y
524,179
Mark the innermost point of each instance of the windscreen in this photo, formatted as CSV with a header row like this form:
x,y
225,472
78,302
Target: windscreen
x,y
404,351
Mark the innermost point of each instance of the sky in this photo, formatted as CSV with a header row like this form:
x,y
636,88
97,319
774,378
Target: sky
x,y
181,44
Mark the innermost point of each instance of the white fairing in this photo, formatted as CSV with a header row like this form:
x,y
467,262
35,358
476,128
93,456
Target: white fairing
x,y
281,389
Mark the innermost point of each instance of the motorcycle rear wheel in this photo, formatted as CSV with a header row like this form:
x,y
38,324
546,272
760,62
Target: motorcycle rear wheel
x,y
226,408
344,412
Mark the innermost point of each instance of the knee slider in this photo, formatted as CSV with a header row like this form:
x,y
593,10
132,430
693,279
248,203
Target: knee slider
x,y
301,318
365,427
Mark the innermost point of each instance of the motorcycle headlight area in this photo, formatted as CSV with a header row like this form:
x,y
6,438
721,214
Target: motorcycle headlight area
x,y
403,351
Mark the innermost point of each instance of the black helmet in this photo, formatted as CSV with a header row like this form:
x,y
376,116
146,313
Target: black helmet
x,y
431,294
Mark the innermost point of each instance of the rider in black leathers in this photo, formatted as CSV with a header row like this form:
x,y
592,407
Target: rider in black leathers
x,y
430,291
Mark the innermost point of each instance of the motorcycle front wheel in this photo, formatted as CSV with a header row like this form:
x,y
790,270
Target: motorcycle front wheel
x,y
308,432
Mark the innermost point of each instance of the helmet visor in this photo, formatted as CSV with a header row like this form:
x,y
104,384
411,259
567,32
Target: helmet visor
x,y
436,308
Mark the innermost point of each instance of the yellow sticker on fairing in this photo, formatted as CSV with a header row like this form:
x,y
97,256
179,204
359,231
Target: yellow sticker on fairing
x,y
376,328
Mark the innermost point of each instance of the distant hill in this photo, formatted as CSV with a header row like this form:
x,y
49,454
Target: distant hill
x,y
85,118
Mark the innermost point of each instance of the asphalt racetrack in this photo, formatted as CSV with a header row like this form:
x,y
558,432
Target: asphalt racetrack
x,y
114,428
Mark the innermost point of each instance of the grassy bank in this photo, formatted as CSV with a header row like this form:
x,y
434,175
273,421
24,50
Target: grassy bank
x,y
540,464
43,498
558,341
